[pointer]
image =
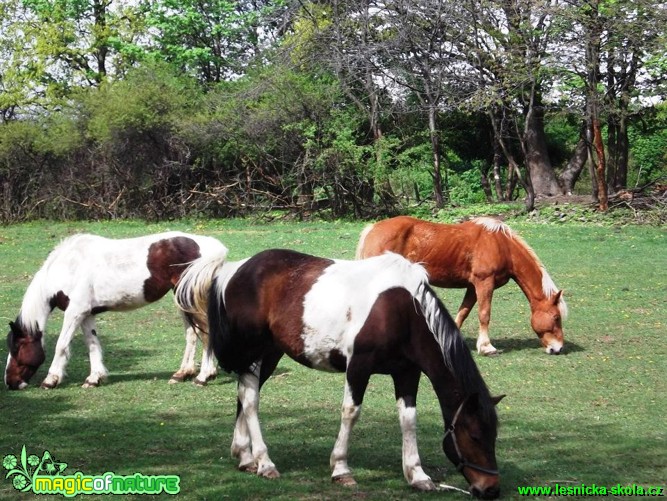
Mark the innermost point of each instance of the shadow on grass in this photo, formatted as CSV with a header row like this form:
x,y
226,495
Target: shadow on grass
x,y
191,439
508,345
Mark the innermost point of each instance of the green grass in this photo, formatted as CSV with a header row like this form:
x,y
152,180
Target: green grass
x,y
594,415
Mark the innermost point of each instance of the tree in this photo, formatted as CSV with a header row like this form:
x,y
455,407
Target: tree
x,y
214,40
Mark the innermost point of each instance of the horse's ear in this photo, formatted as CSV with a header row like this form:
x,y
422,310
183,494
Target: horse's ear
x,y
556,297
16,330
496,400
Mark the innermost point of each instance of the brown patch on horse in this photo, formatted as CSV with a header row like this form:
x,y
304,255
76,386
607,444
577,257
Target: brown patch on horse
x,y
264,303
286,292
60,300
337,360
27,355
166,261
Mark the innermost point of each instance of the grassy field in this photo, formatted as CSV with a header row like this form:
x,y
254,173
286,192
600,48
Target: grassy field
x,y
595,415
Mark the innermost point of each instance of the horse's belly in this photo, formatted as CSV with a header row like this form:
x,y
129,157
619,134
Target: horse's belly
x,y
323,351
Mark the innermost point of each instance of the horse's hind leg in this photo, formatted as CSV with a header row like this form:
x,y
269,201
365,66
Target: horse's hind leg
x,y
187,369
406,384
468,302
98,372
208,370
241,448
247,432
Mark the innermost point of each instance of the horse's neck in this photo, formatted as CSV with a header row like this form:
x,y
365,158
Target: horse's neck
x,y
35,308
527,272
449,396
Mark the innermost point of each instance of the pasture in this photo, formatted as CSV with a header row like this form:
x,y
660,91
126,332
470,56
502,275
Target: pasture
x,y
595,415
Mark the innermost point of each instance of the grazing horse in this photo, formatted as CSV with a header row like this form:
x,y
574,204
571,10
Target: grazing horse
x,y
479,255
359,317
86,275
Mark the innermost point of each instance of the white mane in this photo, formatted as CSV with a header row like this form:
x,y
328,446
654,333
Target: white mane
x,y
548,286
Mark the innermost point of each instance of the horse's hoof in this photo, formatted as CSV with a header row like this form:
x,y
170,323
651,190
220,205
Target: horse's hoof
x,y
48,386
488,351
199,382
248,468
178,378
346,480
88,384
270,473
424,485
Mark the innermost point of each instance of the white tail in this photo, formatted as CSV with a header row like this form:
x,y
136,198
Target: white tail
x,y
362,241
191,294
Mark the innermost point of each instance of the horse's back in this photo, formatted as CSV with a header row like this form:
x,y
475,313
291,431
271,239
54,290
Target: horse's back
x,y
451,253
310,306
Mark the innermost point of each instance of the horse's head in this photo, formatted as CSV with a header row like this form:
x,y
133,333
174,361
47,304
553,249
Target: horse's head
x,y
470,443
546,320
26,354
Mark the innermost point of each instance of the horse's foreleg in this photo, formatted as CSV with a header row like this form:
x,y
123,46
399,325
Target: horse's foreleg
x,y
406,385
71,322
208,370
248,394
484,292
356,380
341,472
468,302
188,368
98,372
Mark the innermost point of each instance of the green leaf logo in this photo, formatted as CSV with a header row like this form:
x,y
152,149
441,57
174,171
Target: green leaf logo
x,y
24,468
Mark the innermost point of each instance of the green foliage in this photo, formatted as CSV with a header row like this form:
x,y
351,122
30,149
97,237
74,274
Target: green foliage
x,y
649,149
150,98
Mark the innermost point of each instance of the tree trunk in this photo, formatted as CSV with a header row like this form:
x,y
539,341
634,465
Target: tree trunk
x,y
513,165
497,155
538,163
593,41
600,165
435,146
572,171
486,186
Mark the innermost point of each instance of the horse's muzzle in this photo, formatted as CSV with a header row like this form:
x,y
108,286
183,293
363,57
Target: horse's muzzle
x,y
489,493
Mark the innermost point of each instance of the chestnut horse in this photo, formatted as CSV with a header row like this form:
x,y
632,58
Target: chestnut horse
x,y
359,317
479,255
86,275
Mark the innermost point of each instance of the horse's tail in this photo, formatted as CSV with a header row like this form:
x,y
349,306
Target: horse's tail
x,y
362,241
235,349
455,352
192,291
219,336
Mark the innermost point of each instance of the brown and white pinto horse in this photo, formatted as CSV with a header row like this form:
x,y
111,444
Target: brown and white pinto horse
x,y
359,317
86,275
479,255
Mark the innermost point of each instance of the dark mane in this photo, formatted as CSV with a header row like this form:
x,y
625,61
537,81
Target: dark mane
x,y
455,352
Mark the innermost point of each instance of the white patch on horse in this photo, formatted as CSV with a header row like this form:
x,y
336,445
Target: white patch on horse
x,y
338,304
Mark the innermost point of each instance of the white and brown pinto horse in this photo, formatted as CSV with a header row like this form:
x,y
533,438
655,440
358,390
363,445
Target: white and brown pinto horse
x,y
86,275
359,317
479,255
